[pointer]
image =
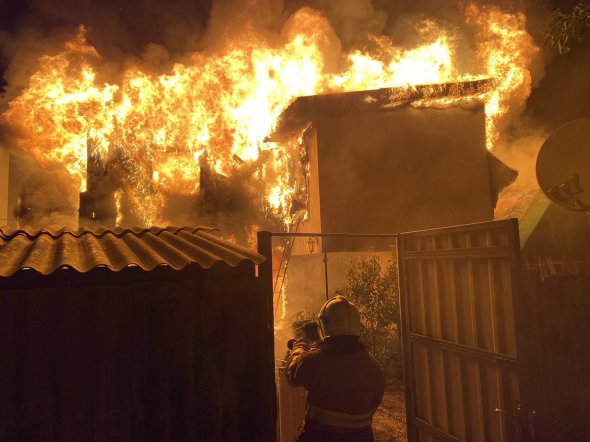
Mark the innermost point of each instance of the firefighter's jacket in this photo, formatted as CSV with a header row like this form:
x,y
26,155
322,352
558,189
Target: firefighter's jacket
x,y
344,383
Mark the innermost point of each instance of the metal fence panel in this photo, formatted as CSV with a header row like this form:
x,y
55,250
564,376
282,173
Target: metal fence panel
x,y
458,287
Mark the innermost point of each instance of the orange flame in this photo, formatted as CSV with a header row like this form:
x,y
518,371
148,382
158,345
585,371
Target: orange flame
x,y
506,51
221,106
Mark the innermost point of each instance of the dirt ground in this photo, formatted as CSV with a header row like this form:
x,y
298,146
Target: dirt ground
x,y
389,422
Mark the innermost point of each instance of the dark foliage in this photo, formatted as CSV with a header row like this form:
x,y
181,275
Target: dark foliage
x,y
565,28
374,289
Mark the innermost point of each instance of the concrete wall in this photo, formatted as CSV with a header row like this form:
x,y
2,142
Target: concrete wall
x,y
400,170
312,224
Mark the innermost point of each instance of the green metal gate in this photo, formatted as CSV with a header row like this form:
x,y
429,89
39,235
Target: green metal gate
x,y
458,295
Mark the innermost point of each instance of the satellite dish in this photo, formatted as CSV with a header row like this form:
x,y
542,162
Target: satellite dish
x,y
563,166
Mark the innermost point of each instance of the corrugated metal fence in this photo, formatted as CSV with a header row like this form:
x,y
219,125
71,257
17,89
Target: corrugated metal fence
x,y
458,288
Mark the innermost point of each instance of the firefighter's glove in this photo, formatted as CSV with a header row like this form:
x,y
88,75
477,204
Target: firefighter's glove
x,y
302,344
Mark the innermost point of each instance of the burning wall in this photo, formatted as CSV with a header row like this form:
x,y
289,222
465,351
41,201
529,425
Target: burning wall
x,y
401,169
181,114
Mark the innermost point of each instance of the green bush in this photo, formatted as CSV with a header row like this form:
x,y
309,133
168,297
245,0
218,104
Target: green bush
x,y
374,289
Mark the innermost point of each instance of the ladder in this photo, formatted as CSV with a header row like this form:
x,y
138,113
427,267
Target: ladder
x,y
284,263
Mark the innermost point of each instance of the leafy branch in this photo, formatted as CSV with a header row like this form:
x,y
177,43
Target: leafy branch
x,y
373,288
565,28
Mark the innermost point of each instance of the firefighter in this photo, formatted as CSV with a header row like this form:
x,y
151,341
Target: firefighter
x,y
343,381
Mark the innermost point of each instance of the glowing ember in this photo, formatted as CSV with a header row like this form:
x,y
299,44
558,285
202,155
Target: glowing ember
x,y
118,196
217,108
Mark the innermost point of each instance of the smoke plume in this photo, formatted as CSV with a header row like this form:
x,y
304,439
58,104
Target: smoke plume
x,y
152,36
44,201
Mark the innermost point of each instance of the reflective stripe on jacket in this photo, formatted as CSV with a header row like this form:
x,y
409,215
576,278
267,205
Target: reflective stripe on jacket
x,y
340,420
344,383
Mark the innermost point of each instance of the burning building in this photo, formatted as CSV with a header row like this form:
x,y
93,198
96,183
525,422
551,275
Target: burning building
x,y
396,160
187,141
276,116
381,162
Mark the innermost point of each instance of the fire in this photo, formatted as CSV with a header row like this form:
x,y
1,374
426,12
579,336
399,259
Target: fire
x,y
506,51
118,196
430,63
217,108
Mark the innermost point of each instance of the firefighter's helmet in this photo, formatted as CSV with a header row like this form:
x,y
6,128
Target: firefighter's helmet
x,y
339,317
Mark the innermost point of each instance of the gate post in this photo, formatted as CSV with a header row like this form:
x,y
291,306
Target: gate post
x,y
405,336
265,287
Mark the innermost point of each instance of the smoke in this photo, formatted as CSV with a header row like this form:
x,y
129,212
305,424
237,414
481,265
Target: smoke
x,y
120,30
45,201
123,27
157,31
520,152
521,131
154,35
352,20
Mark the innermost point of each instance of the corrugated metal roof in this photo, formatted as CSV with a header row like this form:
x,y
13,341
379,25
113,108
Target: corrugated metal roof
x,y
47,250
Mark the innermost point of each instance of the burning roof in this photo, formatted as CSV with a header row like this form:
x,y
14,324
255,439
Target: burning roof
x,y
305,109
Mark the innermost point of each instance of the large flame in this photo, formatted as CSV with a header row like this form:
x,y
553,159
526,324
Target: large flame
x,y
219,107
506,51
